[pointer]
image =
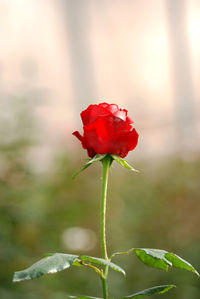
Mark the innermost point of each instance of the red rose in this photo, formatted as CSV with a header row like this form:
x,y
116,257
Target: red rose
x,y
107,129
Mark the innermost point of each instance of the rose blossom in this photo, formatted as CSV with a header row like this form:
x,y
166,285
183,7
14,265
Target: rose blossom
x,y
107,129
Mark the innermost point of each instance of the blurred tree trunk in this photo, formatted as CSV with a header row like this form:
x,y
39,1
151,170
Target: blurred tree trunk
x,y
77,18
186,133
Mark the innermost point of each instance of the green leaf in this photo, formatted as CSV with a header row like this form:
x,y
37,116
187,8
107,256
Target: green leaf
x,y
83,297
178,262
123,162
50,264
101,261
160,259
148,292
56,262
90,162
153,258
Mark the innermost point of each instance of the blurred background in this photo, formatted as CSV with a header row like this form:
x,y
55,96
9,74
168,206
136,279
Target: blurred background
x,y
56,58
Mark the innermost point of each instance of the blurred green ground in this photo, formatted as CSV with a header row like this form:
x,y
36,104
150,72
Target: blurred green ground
x,y
157,208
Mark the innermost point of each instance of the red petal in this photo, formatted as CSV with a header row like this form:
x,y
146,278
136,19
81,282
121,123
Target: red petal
x,y
97,135
121,114
80,137
112,108
126,143
107,129
104,105
85,115
105,133
92,112
132,139
129,120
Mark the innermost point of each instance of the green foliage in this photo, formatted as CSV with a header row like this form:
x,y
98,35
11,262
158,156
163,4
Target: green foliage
x,y
178,262
158,208
151,291
101,261
57,262
50,264
153,258
83,297
160,259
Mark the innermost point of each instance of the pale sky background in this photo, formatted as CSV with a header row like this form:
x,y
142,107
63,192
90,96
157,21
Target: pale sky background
x,y
75,53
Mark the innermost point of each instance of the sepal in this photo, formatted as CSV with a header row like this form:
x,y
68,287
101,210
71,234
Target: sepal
x,y
123,162
96,158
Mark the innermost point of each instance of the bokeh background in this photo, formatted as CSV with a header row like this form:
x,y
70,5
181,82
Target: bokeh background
x,y
56,58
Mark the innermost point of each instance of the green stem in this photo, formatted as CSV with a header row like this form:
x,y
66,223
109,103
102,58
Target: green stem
x,y
105,288
106,165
